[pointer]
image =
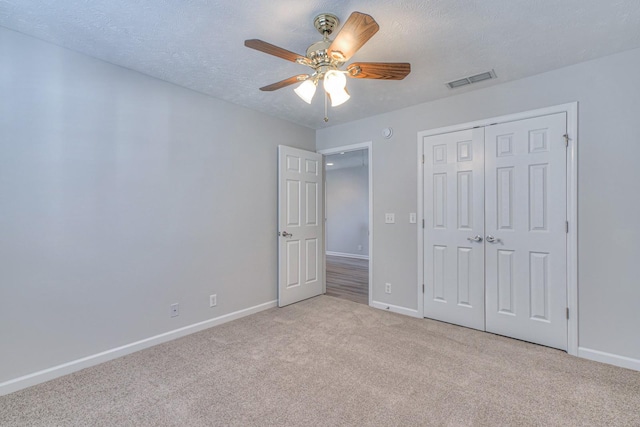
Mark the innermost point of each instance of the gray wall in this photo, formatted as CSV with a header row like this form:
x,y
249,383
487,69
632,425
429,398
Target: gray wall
x,y
609,205
119,195
347,210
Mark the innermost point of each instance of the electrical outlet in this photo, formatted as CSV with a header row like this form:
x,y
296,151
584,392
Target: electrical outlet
x,y
359,247
387,288
389,218
412,218
175,310
213,300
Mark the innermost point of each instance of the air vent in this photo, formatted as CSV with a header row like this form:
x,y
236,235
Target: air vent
x,y
472,79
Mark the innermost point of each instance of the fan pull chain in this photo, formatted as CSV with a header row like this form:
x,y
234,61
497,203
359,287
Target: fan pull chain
x,y
326,115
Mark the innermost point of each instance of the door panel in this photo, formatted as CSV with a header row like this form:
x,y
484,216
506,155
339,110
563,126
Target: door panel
x,y
526,213
506,183
300,241
454,212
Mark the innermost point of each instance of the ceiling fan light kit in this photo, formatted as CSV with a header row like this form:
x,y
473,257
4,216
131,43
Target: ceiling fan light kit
x,y
327,56
306,90
335,84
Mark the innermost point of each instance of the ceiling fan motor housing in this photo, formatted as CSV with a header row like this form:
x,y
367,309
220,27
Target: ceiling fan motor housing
x,y
317,54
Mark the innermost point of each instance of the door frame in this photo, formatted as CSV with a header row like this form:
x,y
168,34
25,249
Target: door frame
x,y
571,110
354,147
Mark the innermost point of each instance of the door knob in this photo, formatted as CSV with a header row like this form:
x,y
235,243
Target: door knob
x,y
285,234
476,238
492,239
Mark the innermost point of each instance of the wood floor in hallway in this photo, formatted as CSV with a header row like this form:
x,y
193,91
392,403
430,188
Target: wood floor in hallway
x,y
348,278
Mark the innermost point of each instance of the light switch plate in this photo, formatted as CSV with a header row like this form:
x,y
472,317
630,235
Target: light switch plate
x,y
389,218
412,218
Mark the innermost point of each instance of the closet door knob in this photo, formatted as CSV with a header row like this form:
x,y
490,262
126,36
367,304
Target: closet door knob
x,y
492,239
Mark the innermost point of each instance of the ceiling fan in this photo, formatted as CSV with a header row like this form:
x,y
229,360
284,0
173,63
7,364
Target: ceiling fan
x,y
327,56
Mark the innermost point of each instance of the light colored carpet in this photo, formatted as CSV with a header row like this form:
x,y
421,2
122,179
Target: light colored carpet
x,y
332,362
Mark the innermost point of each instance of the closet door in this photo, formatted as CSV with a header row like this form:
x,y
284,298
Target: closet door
x,y
454,227
525,237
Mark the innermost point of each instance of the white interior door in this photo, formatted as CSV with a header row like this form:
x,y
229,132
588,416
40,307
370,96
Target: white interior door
x,y
300,230
526,288
506,184
454,227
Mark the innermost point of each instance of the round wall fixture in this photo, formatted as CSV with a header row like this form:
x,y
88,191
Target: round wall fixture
x,y
387,132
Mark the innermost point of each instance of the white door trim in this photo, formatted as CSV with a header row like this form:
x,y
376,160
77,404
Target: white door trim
x,y
353,147
571,109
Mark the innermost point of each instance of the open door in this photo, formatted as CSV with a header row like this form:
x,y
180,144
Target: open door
x,y
300,228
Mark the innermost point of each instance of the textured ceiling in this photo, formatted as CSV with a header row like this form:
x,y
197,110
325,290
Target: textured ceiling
x,y
199,44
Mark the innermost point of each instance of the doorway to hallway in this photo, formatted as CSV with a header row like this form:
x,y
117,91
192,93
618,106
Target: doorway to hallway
x,y
347,222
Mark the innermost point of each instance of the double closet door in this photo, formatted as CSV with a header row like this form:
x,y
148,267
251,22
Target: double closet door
x,y
495,229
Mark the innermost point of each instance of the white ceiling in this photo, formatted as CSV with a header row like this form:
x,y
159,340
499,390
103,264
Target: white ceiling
x,y
198,44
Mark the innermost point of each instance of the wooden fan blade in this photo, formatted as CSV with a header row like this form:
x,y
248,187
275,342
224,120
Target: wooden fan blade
x,y
358,29
274,50
285,83
379,70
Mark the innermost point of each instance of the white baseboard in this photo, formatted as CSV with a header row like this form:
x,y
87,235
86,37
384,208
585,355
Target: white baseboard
x,y
66,368
612,359
346,255
395,308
